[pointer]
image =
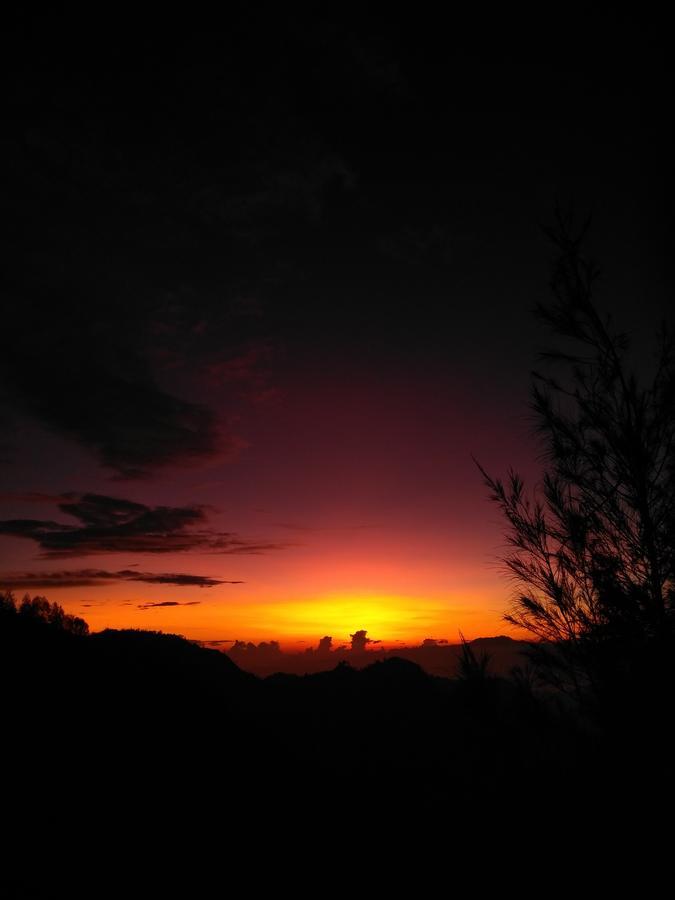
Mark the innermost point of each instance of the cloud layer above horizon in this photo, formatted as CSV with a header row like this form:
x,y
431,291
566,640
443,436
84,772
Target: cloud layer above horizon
x,y
114,525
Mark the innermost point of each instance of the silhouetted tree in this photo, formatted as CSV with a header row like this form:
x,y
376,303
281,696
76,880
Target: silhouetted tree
x,y
592,549
474,677
39,611
472,667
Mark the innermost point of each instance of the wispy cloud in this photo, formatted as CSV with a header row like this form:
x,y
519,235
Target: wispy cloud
x,y
114,525
167,603
69,578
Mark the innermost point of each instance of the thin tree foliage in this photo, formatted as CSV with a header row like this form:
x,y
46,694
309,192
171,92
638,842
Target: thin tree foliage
x,y
592,549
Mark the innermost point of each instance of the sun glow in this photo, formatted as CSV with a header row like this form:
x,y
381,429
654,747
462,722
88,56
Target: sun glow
x,y
385,616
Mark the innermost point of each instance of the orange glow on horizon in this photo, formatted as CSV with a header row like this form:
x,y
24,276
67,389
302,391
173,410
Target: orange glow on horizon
x,y
389,619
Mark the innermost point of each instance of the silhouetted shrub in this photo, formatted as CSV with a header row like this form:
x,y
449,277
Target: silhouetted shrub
x,y
593,550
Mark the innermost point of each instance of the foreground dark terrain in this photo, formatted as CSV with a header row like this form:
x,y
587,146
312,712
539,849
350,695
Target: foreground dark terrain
x,y
123,720
134,754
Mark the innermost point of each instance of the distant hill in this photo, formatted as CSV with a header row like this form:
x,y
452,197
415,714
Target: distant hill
x,y
504,653
434,657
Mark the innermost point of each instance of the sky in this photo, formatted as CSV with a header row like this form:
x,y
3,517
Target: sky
x,y
267,295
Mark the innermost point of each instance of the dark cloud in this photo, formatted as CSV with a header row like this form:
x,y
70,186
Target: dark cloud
x,y
91,577
247,366
323,650
129,422
141,247
167,603
174,578
325,645
360,641
191,202
29,497
114,525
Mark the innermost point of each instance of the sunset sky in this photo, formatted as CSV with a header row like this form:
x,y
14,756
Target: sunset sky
x,y
268,291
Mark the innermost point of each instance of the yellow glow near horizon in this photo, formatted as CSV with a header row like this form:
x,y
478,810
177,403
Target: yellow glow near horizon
x,y
383,616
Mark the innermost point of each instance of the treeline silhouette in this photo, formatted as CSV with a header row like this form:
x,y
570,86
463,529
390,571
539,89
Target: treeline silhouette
x,y
38,611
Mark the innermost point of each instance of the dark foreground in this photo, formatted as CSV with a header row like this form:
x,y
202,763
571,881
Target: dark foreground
x,y
129,737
